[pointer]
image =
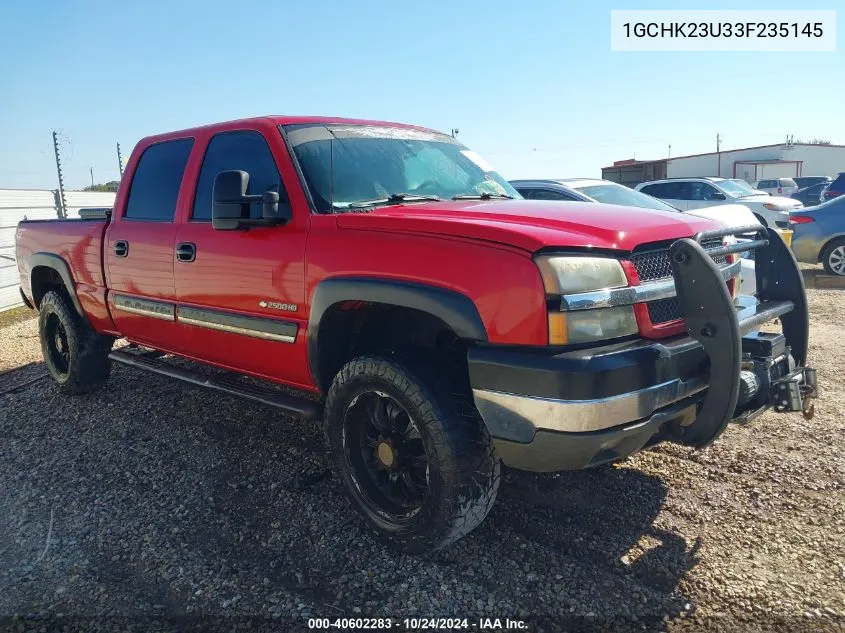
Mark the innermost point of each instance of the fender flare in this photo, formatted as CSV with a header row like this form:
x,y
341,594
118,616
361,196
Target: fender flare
x,y
57,263
453,308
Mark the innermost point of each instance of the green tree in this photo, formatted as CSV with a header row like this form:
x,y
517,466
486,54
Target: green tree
x,y
109,186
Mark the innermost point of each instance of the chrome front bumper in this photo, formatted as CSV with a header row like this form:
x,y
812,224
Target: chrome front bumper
x,y
500,409
574,409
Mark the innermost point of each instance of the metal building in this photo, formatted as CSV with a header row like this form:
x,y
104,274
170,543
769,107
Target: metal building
x,y
784,160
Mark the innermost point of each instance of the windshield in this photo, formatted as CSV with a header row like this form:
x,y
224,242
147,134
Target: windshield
x,y
737,189
356,166
620,194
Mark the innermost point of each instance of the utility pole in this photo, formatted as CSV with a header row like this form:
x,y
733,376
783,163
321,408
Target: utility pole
x,y
92,175
63,202
718,155
119,160
670,151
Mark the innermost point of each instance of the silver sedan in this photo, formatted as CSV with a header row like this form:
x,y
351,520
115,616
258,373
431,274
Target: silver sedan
x,y
819,235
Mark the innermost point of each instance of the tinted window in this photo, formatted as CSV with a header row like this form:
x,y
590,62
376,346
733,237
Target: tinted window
x,y
676,191
766,184
702,191
244,151
658,190
155,185
546,194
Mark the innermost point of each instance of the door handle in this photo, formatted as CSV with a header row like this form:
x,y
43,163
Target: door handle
x,y
121,248
186,252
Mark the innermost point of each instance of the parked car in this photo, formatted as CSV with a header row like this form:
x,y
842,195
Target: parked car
x,y
778,186
808,181
818,235
607,192
835,188
744,184
402,291
812,195
695,193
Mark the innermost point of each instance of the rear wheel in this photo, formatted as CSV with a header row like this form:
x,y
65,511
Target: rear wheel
x,y
76,356
833,257
420,471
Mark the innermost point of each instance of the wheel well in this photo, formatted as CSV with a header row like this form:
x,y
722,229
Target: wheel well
x,y
830,242
760,219
43,280
353,328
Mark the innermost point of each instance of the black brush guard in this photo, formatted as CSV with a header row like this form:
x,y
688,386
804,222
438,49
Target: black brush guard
x,y
748,374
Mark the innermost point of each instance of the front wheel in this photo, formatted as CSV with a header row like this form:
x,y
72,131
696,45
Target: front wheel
x,y
421,472
833,258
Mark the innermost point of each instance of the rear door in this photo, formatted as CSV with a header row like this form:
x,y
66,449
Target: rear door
x,y
241,294
138,250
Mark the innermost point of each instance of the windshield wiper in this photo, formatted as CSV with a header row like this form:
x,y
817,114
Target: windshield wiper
x,y
481,196
394,198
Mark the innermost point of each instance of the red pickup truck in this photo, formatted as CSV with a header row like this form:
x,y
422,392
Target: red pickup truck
x,y
402,291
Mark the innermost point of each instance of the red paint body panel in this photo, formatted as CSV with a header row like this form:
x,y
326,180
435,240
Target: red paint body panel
x,y
79,243
481,249
502,281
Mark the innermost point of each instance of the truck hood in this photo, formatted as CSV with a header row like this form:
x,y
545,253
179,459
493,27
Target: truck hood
x,y
532,224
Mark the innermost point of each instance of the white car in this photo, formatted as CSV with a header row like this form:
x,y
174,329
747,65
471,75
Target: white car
x,y
604,191
689,194
778,186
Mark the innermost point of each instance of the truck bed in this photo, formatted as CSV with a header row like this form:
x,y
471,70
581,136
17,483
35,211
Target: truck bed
x,y
78,242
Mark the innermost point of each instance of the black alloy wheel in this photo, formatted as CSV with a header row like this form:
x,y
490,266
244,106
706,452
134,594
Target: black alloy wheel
x,y
386,455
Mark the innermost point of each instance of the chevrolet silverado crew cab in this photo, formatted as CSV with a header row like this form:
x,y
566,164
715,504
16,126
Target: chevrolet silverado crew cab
x,y
384,279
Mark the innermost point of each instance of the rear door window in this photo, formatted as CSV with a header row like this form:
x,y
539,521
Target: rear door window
x,y
678,191
657,190
156,181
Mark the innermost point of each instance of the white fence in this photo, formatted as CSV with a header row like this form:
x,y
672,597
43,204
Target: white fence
x,y
33,204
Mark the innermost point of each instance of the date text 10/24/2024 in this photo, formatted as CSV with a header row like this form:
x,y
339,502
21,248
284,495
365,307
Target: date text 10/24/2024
x,y
417,624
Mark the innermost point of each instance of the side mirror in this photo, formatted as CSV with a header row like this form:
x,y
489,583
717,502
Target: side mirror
x,y
718,196
230,204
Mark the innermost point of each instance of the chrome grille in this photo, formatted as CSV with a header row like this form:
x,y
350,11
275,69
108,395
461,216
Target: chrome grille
x,y
653,264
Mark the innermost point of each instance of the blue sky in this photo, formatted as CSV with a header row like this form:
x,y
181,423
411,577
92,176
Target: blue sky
x,y
532,86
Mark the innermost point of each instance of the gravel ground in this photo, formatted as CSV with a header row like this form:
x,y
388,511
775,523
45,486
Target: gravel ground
x,y
150,499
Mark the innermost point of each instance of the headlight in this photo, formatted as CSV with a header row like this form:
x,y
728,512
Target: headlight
x,y
585,326
772,207
564,274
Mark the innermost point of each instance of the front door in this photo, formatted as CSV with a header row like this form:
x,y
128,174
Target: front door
x,y
241,294
138,249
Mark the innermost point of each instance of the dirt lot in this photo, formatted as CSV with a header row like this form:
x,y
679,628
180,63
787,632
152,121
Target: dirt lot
x,y
152,499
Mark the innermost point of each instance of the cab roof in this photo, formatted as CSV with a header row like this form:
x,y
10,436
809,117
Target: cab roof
x,y
275,120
